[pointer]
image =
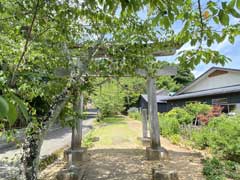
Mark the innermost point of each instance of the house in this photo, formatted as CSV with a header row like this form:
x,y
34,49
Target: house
x,y
217,86
161,94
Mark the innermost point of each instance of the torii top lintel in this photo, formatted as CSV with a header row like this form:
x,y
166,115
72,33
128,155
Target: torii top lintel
x,y
158,49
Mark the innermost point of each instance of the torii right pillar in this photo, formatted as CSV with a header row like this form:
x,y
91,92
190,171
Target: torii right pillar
x,y
155,151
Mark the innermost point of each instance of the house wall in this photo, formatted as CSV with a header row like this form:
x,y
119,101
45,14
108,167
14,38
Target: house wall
x,y
143,104
232,98
223,80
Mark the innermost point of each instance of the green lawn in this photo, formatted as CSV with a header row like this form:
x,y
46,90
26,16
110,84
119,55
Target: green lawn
x,y
116,132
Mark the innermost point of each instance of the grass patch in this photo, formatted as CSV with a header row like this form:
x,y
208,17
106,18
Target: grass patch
x,y
114,131
47,160
113,120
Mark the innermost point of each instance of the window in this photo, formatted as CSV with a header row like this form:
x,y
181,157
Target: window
x,y
220,101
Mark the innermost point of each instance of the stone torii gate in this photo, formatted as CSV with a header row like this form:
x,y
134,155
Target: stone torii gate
x,y
78,153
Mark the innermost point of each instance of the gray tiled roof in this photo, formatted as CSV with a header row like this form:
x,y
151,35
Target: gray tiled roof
x,y
159,98
209,92
223,90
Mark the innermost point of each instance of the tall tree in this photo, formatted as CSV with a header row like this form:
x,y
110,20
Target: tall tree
x,y
40,36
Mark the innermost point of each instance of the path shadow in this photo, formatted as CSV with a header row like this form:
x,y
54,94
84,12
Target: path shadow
x,y
131,164
117,164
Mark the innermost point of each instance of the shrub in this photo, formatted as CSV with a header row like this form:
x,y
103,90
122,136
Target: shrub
x,y
135,115
168,126
181,115
200,137
225,137
109,101
221,135
197,108
214,169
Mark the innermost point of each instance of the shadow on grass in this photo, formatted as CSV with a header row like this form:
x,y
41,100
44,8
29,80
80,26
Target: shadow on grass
x,y
113,120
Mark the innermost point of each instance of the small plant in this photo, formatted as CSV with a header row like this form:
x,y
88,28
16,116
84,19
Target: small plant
x,y
213,169
175,139
88,140
47,160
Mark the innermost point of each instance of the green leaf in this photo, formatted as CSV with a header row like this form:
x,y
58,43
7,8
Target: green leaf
x,y
232,3
22,106
234,13
209,42
216,19
224,18
231,39
166,22
238,4
12,114
4,107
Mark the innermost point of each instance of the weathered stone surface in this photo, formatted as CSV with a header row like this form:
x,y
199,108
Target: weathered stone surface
x,y
145,141
73,173
156,154
144,123
164,174
153,113
76,156
66,154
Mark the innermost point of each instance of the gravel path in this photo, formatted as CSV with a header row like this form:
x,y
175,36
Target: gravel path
x,y
126,160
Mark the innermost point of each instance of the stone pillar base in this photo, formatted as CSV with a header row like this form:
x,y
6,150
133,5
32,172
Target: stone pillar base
x,y
164,175
78,155
73,173
156,154
66,154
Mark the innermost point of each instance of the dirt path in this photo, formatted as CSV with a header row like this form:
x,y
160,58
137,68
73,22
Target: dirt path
x,y
124,158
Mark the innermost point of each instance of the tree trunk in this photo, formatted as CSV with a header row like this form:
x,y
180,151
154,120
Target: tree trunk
x,y
35,135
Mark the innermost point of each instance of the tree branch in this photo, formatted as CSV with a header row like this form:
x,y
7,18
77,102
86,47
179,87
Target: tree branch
x,y
12,82
201,20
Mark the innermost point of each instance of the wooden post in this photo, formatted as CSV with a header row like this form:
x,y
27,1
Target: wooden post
x,y
153,114
144,124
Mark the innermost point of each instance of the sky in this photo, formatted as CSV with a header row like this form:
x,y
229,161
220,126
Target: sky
x,y
230,50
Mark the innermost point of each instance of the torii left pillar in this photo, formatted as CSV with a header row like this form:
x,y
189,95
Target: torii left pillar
x,y
76,154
